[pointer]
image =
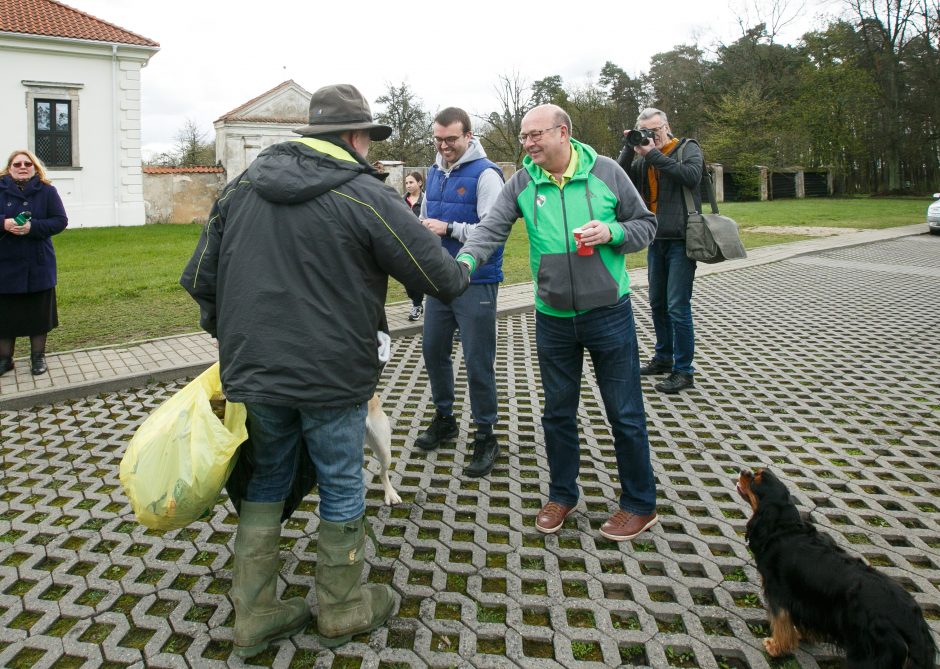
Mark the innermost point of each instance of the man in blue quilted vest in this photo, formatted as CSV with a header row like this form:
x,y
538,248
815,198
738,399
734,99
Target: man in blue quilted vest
x,y
461,187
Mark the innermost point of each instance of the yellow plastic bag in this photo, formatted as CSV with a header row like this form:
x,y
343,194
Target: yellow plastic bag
x,y
180,457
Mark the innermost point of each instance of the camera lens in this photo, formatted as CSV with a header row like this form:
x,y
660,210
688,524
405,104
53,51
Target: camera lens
x,y
637,138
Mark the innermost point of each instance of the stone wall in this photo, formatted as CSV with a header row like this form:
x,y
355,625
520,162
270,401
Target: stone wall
x,y
186,194
181,194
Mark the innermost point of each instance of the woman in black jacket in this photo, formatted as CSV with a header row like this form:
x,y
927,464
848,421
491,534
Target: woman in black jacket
x,y
414,197
32,213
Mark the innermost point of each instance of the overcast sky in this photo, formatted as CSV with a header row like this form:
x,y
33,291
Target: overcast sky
x,y
215,55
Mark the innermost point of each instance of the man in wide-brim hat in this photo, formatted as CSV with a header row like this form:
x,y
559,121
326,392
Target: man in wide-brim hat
x,y
291,277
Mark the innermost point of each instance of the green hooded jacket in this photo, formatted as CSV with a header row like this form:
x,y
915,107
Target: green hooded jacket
x,y
567,284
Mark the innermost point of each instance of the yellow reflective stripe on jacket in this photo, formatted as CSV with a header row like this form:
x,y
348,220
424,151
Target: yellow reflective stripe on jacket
x,y
328,148
389,228
208,224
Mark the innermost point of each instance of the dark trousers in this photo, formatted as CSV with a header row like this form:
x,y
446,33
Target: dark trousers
x,y
609,335
416,297
671,274
474,313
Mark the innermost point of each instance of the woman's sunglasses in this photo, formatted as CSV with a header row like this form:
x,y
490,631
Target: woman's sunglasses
x,y
24,163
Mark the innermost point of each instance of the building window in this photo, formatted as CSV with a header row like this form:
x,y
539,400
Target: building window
x,y
52,122
54,132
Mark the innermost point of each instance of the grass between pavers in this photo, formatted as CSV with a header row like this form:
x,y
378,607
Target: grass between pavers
x,y
119,285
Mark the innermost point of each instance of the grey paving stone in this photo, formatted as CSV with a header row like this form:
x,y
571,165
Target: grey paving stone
x,y
823,370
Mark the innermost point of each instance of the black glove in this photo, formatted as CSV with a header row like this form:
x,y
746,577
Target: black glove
x,y
625,159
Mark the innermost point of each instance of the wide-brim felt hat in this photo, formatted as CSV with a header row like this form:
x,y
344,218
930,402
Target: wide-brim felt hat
x,y
341,107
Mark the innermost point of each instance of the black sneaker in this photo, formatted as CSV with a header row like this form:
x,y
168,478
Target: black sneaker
x,y
656,366
485,452
6,364
675,382
441,429
39,363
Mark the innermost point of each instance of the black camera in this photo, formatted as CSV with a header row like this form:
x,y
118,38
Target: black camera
x,y
632,139
640,137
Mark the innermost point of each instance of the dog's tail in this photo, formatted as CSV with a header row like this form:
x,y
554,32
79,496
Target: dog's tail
x,y
921,649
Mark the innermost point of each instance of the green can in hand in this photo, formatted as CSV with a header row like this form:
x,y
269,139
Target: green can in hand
x,y
23,217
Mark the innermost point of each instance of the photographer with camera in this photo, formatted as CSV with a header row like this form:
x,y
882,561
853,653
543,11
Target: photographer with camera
x,y
648,158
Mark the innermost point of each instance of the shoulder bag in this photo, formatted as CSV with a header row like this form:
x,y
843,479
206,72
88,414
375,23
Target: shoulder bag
x,y
709,238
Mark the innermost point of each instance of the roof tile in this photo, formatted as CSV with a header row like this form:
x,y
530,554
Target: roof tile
x,y
53,19
192,169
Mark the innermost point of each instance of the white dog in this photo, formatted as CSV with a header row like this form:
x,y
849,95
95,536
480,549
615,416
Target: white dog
x,y
379,439
378,429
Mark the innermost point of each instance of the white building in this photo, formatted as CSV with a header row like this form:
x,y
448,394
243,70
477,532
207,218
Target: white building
x,y
268,119
71,95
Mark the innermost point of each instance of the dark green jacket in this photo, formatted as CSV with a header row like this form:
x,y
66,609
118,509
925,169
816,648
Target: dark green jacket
x,y
292,271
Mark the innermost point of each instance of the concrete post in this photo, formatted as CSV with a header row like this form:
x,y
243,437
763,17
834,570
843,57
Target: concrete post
x,y
396,177
508,169
718,181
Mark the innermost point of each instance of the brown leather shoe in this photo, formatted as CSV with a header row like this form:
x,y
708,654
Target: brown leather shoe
x,y
552,517
624,525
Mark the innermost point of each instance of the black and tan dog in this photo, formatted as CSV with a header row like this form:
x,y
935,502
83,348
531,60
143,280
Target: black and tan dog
x,y
817,591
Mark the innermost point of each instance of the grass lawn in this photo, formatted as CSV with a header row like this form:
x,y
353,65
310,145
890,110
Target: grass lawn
x,y
119,285
852,212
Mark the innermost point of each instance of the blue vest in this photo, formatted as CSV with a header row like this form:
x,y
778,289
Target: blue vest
x,y
453,198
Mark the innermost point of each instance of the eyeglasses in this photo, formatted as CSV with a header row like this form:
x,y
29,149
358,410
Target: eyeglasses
x,y
654,129
449,141
24,163
535,135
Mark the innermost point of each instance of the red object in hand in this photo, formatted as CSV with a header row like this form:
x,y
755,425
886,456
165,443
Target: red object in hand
x,y
583,250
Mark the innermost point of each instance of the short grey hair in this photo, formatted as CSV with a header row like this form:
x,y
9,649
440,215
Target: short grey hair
x,y
649,113
562,118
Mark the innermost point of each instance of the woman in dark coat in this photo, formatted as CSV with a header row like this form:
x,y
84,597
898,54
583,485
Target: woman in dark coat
x,y
32,213
414,196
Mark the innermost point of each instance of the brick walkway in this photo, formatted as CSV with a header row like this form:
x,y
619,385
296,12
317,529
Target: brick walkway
x,y
821,365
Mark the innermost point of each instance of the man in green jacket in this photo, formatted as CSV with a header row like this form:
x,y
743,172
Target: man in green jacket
x,y
582,301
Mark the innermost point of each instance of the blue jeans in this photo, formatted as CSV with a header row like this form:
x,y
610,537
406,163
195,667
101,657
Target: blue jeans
x,y
609,335
334,439
671,274
474,313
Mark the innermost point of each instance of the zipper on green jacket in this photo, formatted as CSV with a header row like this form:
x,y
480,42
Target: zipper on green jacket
x,y
564,218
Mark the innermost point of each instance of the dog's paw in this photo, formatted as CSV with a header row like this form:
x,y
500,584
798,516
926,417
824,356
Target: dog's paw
x,y
391,495
773,648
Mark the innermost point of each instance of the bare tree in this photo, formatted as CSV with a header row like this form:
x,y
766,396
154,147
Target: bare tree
x,y
774,14
192,146
500,135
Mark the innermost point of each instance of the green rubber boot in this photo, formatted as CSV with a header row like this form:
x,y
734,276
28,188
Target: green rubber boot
x,y
346,606
260,617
